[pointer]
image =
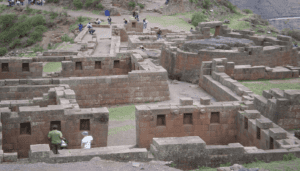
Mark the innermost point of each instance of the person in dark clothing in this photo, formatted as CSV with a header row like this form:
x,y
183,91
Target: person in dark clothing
x,y
295,45
91,31
80,27
55,136
159,34
109,20
167,1
137,17
125,21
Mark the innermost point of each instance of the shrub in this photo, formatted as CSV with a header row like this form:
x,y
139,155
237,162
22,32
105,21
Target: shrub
x,y
206,4
37,20
232,7
55,1
131,4
194,1
53,15
288,157
88,3
37,48
141,6
37,36
248,11
40,28
198,17
30,41
66,38
78,4
7,21
3,51
99,6
15,43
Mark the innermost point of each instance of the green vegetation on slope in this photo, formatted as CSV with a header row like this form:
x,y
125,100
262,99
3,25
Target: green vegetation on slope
x,y
52,67
122,113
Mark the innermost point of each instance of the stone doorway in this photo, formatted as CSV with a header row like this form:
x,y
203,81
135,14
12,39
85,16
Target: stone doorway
x,y
217,31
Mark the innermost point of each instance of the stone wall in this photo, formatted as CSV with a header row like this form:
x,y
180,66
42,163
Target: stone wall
x,y
89,66
133,25
66,111
280,106
195,152
31,69
221,131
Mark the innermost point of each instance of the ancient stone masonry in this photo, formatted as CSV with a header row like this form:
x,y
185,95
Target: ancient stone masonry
x,y
25,123
183,62
213,123
202,126
280,106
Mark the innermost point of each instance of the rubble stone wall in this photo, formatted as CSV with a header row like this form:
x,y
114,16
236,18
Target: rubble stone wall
x,y
66,111
220,133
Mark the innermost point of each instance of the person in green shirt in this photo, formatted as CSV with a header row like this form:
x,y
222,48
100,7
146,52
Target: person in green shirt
x,y
55,136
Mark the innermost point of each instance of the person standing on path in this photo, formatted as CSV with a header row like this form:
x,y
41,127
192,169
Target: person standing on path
x,y
158,34
80,27
109,20
86,141
145,23
125,21
55,136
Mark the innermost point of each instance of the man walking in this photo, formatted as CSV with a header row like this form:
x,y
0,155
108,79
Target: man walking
x,y
137,17
80,27
86,141
55,136
125,21
158,34
109,20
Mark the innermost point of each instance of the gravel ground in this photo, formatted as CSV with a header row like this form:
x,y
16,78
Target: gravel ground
x,y
96,164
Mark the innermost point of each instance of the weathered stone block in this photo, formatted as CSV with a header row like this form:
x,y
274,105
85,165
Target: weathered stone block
x,y
277,133
186,101
39,152
10,157
205,100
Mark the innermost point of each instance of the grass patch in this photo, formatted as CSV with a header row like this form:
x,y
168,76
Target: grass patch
x,y
267,85
122,113
120,129
96,11
80,19
52,67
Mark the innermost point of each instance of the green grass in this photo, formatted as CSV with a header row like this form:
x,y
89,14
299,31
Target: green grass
x,y
52,67
96,11
267,85
122,113
116,130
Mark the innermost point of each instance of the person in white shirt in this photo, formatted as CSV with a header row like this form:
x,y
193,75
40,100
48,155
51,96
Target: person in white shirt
x,y
86,141
89,25
18,3
98,21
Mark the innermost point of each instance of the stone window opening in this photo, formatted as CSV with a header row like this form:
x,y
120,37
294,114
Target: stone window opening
x,y
84,124
55,123
25,67
133,24
161,120
97,64
246,123
250,53
4,67
258,133
25,128
188,118
133,66
116,64
215,117
78,66
271,143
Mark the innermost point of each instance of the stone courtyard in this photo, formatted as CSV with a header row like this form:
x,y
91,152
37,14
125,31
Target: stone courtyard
x,y
208,120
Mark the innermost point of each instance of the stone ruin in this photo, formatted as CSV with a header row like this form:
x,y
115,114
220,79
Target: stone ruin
x,y
238,128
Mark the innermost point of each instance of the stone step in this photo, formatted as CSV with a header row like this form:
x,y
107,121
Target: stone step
x,y
153,150
150,156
